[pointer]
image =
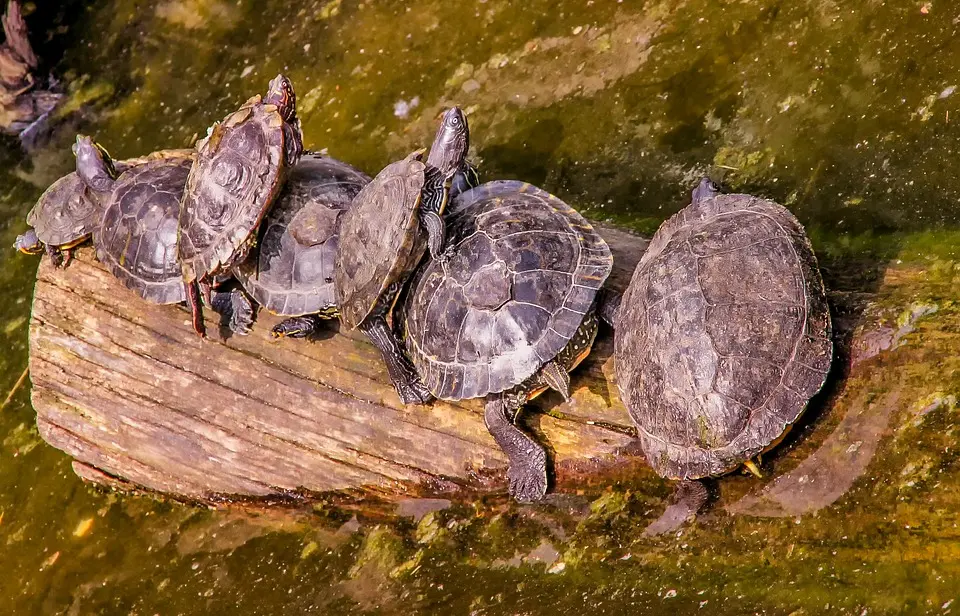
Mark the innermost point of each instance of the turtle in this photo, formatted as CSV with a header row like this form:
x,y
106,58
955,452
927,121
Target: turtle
x,y
67,212
137,236
452,137
292,272
722,337
382,241
238,173
509,311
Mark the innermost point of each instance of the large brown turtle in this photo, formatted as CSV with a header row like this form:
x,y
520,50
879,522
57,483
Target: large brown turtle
x,y
508,312
722,338
383,235
238,172
292,273
68,212
137,236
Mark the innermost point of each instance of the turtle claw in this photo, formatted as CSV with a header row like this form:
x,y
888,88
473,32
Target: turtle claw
x,y
413,392
241,319
528,480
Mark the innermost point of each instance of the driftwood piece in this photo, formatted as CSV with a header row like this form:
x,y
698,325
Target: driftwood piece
x,y
129,391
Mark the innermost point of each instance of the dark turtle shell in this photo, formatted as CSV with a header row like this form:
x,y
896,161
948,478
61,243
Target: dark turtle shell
x,y
68,211
65,213
137,239
522,273
292,274
722,336
379,239
237,175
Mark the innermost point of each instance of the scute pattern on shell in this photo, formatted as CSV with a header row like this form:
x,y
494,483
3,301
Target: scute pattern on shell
x,y
723,335
379,238
65,212
292,274
68,210
524,270
237,174
137,239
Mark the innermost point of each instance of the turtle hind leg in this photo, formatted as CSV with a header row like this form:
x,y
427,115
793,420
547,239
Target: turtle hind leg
x,y
235,309
689,498
56,256
196,307
402,373
527,474
297,327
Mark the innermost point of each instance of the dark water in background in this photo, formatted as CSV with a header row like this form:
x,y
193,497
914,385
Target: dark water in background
x,y
846,113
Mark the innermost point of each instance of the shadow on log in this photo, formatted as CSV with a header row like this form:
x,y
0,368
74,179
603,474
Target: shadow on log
x,y
130,392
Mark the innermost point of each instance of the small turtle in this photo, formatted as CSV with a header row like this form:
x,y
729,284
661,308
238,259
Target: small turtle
x,y
508,312
381,243
137,236
67,212
722,338
292,274
452,137
238,172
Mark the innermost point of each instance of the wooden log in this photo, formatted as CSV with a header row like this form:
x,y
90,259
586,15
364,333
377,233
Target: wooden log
x,y
128,390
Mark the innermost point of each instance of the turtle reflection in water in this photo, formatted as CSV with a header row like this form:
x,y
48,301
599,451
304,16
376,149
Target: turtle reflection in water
x,y
722,337
508,311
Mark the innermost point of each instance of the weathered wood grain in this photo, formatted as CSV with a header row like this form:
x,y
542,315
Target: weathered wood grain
x,y
129,391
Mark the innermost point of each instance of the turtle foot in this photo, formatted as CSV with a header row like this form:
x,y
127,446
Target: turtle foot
x,y
413,391
528,479
689,498
241,317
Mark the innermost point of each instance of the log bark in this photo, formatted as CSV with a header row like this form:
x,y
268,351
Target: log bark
x,y
128,390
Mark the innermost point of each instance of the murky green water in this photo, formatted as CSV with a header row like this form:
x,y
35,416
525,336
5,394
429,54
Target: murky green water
x,y
845,112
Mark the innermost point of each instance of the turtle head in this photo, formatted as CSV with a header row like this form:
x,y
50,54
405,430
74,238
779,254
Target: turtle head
x,y
449,149
28,243
280,93
707,189
94,165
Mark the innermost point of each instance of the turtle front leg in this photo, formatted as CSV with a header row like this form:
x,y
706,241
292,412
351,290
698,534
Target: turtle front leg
x,y
56,256
297,327
402,373
436,232
689,498
527,474
235,309
196,307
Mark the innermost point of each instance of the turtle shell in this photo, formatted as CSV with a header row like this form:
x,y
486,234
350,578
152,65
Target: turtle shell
x,y
237,175
523,270
722,336
137,239
292,273
69,211
380,243
65,213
